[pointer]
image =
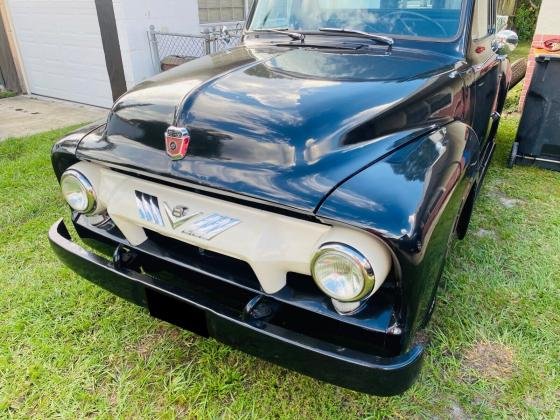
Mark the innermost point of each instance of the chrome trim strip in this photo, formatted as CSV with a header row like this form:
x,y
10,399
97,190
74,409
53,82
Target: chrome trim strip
x,y
211,226
140,206
148,208
155,210
208,227
541,159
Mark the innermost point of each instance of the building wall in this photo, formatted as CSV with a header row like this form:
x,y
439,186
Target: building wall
x,y
61,49
548,29
134,18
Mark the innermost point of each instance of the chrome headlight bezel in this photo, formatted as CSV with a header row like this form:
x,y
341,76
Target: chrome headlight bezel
x,y
86,188
361,262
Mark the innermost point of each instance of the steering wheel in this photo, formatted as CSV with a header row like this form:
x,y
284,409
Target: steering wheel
x,y
418,15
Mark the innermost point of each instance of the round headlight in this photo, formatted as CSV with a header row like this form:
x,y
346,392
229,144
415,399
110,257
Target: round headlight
x,y
342,273
78,192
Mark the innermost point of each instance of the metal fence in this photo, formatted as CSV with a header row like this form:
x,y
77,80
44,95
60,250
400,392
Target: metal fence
x,y
185,47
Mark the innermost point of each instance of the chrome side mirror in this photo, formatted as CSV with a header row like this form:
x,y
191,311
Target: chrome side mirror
x,y
505,43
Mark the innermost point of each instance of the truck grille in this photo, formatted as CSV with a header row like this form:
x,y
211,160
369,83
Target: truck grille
x,y
148,208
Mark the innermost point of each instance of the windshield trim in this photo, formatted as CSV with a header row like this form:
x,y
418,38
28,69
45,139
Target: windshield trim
x,y
248,31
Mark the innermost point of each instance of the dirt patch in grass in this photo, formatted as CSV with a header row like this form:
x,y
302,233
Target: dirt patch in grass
x,y
509,203
163,334
457,412
503,199
484,233
491,360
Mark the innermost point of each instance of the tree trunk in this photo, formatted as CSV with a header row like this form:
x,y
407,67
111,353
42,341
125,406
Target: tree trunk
x,y
507,7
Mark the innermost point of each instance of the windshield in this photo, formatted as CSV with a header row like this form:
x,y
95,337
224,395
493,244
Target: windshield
x,y
417,18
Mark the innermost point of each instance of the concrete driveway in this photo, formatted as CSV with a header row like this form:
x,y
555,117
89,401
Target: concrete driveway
x,y
26,115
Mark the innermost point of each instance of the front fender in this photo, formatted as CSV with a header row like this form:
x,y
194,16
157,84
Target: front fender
x,y
412,199
63,153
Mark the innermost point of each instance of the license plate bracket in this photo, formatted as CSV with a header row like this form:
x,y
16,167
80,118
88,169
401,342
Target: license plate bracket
x,y
177,312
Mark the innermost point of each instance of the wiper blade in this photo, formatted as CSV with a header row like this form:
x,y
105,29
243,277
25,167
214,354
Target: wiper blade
x,y
319,46
294,35
352,32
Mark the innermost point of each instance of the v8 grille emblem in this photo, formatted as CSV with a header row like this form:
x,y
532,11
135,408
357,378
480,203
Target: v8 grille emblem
x,y
205,227
179,215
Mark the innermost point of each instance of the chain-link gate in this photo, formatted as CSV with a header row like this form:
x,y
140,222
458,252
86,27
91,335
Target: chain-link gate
x,y
171,49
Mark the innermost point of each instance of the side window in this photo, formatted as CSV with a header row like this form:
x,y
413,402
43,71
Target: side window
x,y
492,16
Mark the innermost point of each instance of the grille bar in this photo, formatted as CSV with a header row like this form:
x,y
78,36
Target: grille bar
x,y
148,208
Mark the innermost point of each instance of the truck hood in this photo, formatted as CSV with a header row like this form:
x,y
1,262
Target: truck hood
x,y
282,125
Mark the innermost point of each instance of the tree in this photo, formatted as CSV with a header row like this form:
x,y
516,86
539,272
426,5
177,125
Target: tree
x,y
526,15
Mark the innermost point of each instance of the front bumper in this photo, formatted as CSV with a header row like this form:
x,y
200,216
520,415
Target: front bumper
x,y
191,306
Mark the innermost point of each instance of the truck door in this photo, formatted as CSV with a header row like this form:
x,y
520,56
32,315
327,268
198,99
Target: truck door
x,y
483,77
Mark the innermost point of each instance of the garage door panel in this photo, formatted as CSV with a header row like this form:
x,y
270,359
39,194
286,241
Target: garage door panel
x,y
92,57
70,69
48,82
61,46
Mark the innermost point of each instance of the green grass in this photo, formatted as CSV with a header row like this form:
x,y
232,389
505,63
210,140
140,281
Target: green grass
x,y
7,94
522,51
512,101
69,349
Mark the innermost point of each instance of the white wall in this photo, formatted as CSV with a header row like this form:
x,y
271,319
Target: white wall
x,y
134,18
549,17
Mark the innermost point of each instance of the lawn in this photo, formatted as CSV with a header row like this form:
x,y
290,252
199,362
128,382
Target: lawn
x,y
71,350
522,51
6,94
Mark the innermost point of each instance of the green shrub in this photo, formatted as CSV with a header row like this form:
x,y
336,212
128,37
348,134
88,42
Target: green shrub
x,y
526,18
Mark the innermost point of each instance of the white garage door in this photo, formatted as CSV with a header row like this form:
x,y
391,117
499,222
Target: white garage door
x,y
60,43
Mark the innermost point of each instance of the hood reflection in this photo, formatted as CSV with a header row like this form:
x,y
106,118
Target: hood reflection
x,y
273,122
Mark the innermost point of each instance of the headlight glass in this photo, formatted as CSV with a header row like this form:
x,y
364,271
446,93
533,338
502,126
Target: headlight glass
x,y
78,192
342,273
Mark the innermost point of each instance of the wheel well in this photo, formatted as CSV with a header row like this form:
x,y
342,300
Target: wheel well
x,y
466,214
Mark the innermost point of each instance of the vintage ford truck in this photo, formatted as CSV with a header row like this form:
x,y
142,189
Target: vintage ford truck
x,y
295,196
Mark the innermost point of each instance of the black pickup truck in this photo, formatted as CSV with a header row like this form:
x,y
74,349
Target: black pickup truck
x,y
295,196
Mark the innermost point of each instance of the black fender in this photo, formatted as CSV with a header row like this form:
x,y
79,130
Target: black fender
x,y
63,153
412,200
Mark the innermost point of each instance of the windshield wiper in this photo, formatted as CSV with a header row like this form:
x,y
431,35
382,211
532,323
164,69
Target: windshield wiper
x,y
294,35
352,32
